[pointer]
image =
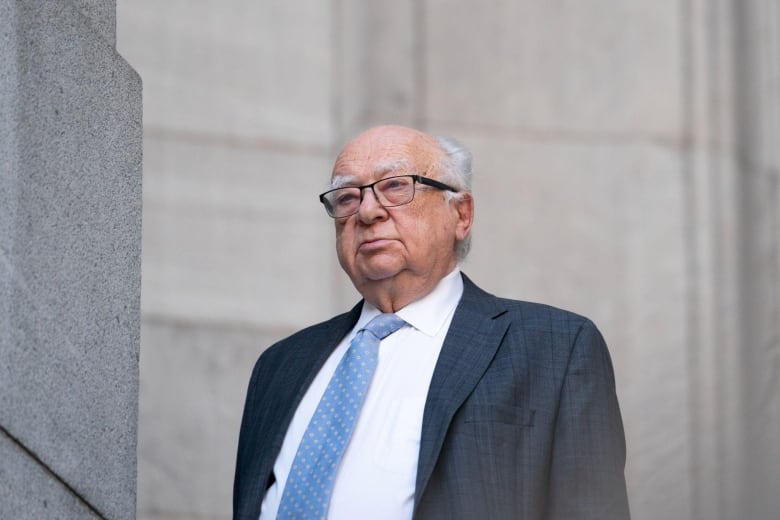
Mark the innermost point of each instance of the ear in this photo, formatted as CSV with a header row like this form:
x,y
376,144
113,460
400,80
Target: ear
x,y
464,206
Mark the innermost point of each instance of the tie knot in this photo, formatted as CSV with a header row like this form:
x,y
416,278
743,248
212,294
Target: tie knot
x,y
384,325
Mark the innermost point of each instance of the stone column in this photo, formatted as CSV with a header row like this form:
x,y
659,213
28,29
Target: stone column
x,y
70,230
757,66
732,191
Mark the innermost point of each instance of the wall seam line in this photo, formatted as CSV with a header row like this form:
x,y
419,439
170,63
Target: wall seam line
x,y
48,469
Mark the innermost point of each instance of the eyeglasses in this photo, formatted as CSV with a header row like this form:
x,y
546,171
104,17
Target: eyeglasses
x,y
389,192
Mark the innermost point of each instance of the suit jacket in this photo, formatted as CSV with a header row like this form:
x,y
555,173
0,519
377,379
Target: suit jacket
x,y
521,418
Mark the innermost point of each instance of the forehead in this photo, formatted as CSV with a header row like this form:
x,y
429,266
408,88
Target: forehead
x,y
387,150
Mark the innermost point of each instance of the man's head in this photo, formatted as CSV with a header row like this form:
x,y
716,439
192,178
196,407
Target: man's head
x,y
397,254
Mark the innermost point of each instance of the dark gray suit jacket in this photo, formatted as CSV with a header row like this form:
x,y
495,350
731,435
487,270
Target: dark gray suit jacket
x,y
521,419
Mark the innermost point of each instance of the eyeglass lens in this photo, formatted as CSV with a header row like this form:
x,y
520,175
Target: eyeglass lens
x,y
393,191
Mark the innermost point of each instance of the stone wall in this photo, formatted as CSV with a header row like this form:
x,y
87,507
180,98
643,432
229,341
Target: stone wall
x,y
70,238
626,168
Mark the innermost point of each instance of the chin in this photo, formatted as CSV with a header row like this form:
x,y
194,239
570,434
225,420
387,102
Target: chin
x,y
376,271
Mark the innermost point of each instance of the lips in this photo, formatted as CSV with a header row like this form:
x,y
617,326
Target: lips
x,y
374,243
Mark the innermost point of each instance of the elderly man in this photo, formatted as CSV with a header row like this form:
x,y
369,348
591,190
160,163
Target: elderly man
x,y
430,399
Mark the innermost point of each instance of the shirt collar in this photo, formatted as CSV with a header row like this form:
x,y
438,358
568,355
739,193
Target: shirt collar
x,y
429,313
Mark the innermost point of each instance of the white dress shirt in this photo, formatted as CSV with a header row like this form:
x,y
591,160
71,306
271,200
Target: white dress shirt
x,y
376,478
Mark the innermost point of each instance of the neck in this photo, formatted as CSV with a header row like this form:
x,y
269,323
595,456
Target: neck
x,y
393,294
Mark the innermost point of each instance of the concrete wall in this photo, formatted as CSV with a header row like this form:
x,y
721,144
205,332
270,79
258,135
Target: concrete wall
x,y
626,168
70,237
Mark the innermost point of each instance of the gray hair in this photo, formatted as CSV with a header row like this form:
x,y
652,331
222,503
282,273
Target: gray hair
x,y
455,168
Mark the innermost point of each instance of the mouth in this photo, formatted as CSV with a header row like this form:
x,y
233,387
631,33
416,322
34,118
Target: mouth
x,y
373,243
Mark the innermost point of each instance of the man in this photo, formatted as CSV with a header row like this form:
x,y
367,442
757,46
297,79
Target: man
x,y
466,406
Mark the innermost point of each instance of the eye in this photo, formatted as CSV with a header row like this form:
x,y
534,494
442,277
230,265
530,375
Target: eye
x,y
400,183
346,197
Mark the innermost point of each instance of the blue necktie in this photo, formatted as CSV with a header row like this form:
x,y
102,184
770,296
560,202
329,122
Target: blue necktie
x,y
312,475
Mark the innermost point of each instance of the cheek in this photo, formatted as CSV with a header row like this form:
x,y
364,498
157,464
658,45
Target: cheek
x,y
433,237
339,240
420,237
344,242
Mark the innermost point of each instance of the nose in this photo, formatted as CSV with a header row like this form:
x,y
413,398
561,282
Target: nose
x,y
370,209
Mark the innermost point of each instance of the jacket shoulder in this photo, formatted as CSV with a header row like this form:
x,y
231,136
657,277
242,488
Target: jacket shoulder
x,y
313,335
526,314
533,315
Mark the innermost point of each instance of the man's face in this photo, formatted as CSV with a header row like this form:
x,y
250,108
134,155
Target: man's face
x,y
413,244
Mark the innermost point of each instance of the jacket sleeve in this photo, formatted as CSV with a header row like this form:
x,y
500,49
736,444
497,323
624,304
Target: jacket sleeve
x,y
587,472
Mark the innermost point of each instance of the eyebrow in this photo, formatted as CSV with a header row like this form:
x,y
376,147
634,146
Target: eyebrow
x,y
391,166
339,181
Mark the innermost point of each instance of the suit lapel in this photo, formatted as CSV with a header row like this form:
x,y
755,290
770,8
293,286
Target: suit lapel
x,y
311,351
468,349
302,371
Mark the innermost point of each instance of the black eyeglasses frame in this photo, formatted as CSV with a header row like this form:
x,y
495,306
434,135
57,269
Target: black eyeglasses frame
x,y
416,178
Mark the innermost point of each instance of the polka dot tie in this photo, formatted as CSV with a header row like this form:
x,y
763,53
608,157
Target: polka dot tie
x,y
310,482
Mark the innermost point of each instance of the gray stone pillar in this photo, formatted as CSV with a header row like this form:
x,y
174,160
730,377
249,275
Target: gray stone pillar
x,y
70,229
757,65
733,126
